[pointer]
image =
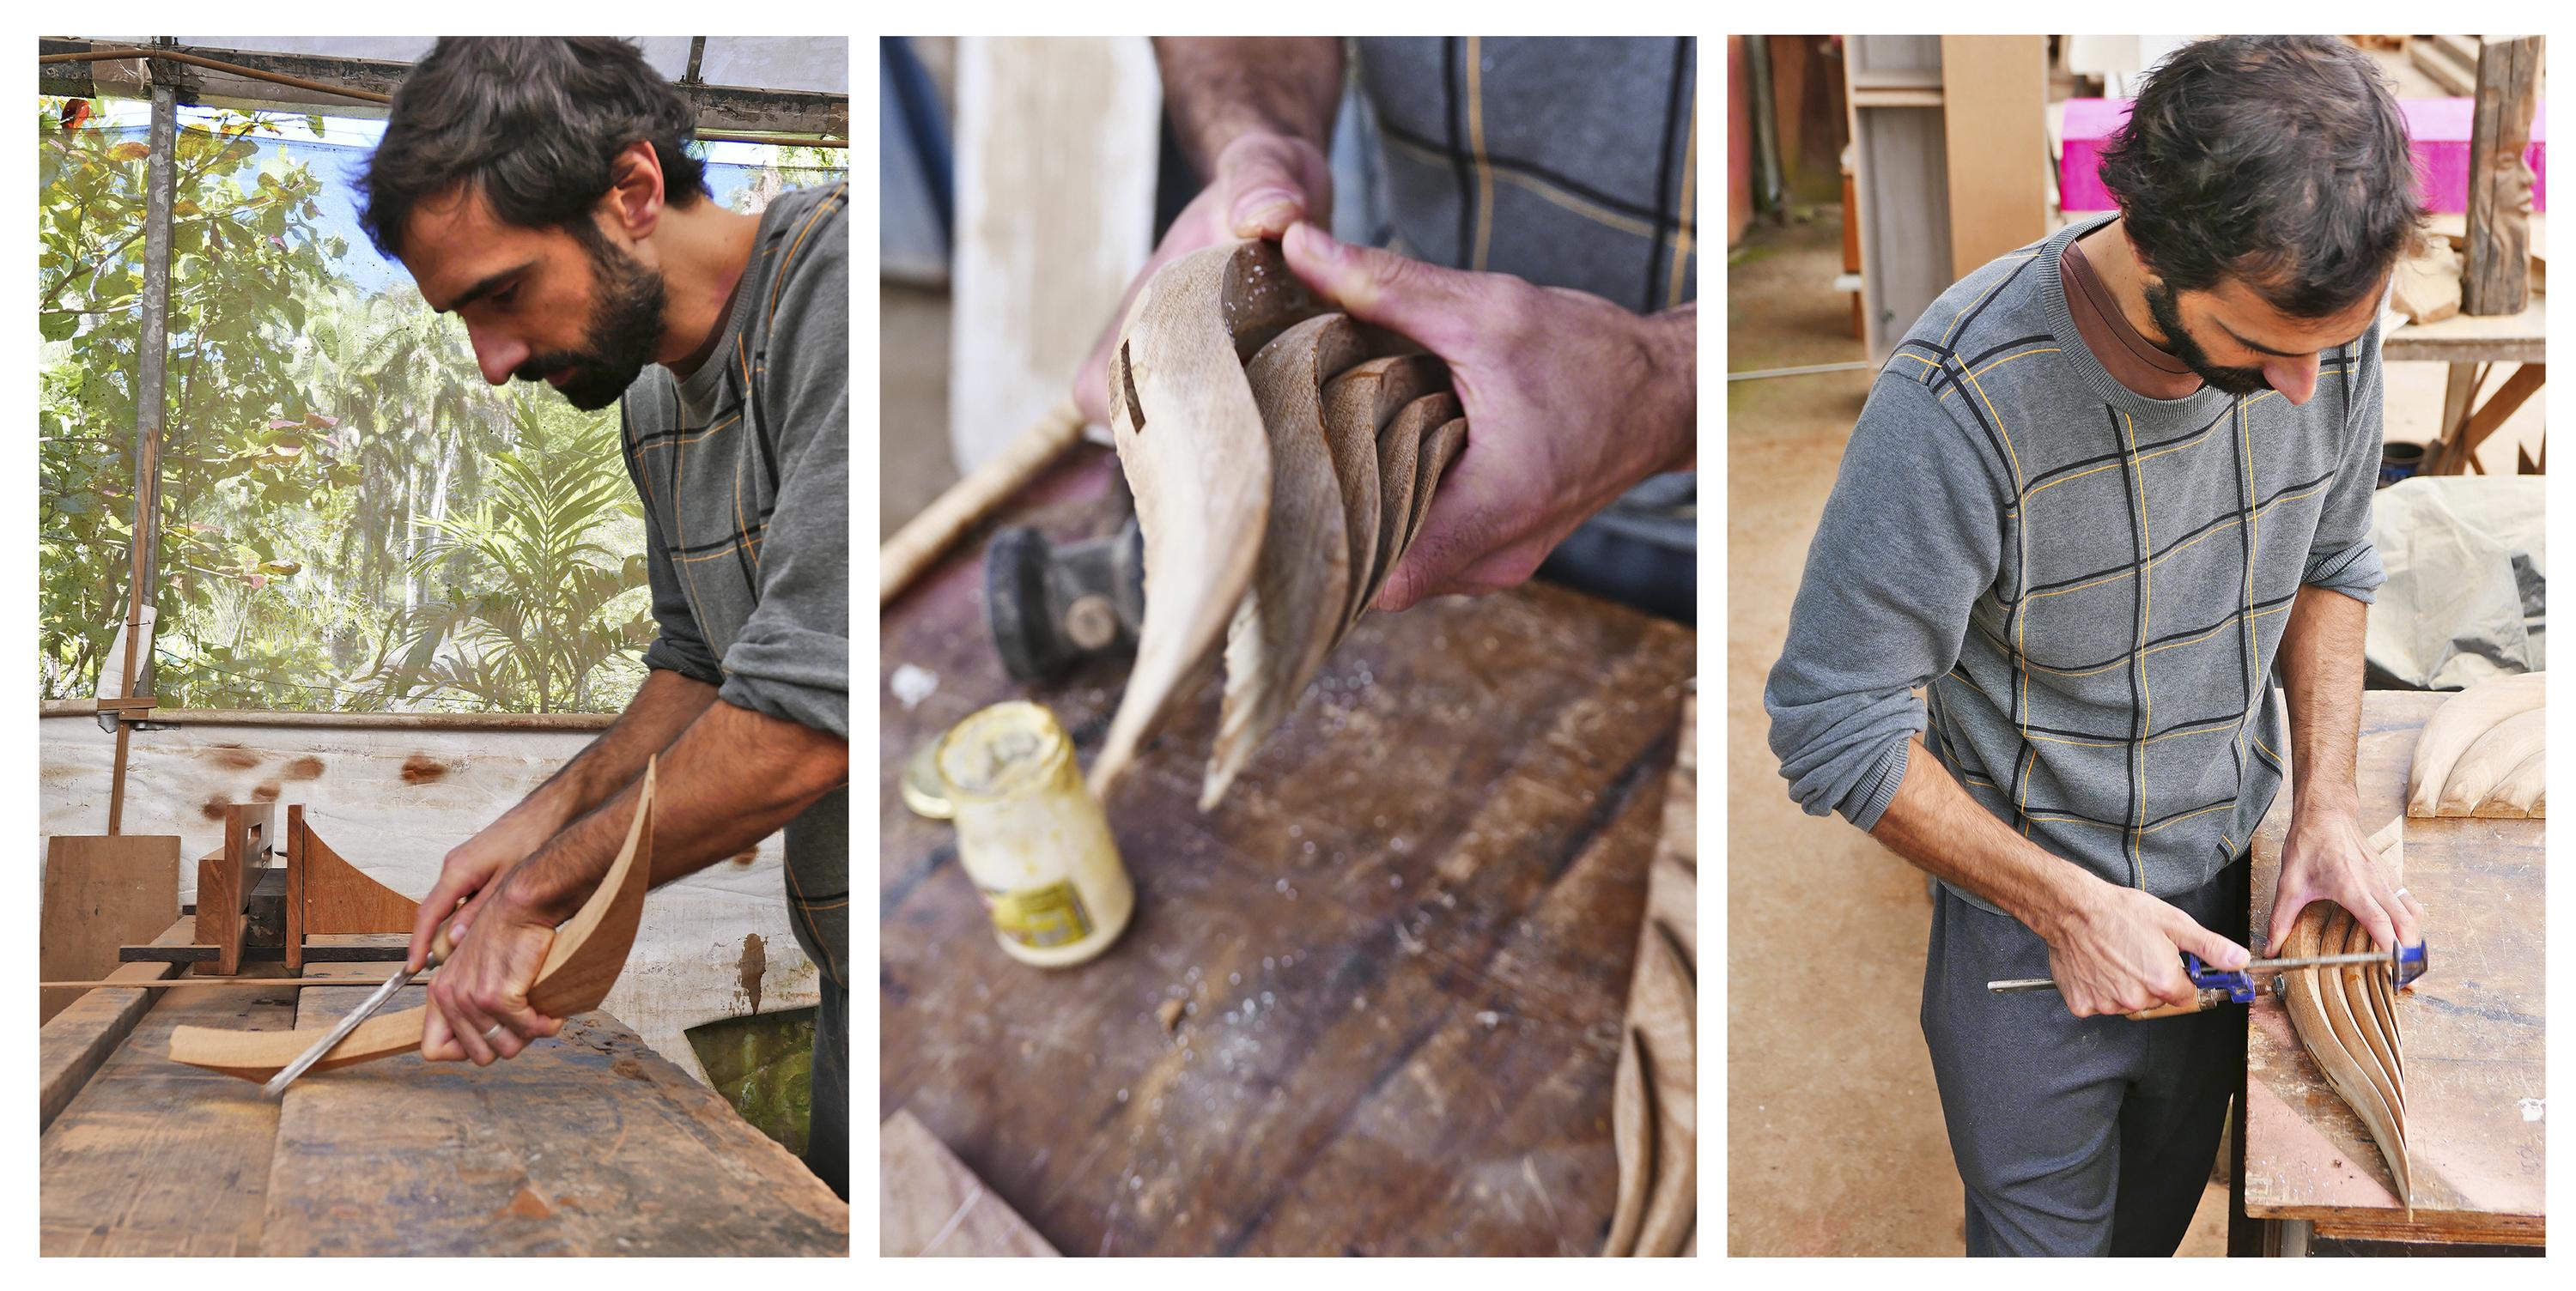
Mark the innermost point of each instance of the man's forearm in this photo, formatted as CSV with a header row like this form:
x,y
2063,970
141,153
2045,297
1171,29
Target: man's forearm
x,y
1933,823
663,707
1218,87
1677,369
732,778
2321,670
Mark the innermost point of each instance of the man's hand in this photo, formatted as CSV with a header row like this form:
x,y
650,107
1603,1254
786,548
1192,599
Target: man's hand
x,y
2118,950
1263,182
1570,401
2326,857
486,984
469,871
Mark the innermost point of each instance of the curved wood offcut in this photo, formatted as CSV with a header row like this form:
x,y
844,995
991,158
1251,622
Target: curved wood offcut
x,y
582,962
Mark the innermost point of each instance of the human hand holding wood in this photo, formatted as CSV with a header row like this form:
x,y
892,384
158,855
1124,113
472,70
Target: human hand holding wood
x,y
1263,181
2326,857
478,1002
1570,400
2118,950
469,870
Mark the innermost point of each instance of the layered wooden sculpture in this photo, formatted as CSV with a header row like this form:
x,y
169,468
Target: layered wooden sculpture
x,y
1282,458
2482,754
582,963
2347,1018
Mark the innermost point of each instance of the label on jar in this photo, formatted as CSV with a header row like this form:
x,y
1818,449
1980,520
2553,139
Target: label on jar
x,y
1048,916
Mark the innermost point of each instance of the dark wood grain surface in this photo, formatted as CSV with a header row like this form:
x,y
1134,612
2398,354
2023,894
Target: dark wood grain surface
x,y
1401,943
2473,1029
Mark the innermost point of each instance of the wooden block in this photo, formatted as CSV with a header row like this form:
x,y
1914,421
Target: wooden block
x,y
357,948
1994,101
226,878
78,1037
589,1143
100,893
152,1157
929,1203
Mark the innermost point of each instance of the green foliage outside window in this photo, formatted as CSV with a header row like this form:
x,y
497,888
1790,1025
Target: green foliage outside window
x,y
351,518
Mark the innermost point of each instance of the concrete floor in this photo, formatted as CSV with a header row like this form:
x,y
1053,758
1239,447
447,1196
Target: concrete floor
x,y
1834,1138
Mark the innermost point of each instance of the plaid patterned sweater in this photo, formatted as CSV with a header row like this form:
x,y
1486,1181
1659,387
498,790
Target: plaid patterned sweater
x,y
2087,584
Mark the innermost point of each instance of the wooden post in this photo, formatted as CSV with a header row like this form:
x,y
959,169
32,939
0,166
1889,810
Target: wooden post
x,y
2499,219
151,362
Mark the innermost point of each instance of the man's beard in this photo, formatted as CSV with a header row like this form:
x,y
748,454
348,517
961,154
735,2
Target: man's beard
x,y
2178,342
625,326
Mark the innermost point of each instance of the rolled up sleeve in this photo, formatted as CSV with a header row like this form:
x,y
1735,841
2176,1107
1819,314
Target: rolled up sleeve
x,y
792,658
2341,557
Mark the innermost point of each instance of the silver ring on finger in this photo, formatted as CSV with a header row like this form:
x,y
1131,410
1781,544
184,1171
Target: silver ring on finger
x,y
2401,892
493,1031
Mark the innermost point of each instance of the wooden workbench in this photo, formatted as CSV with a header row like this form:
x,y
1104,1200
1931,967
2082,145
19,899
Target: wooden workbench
x,y
1402,941
589,1143
2473,1035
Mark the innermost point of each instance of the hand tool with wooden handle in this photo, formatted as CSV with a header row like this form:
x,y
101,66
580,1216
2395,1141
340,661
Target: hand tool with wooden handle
x,y
2216,986
440,947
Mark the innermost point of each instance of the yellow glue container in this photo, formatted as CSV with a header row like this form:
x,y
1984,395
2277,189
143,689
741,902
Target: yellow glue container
x,y
1031,838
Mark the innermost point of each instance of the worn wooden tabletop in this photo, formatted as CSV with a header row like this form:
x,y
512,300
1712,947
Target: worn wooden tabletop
x,y
1401,943
589,1143
2473,1033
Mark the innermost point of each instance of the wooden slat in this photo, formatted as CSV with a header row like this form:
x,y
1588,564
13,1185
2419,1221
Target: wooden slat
x,y
1994,103
586,1144
101,891
78,1038
2473,1031
929,1203
154,1157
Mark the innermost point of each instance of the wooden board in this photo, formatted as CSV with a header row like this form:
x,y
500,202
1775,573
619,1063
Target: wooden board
x,y
929,1203
2468,338
1401,944
2473,1027
326,896
585,1144
1994,103
1055,171
101,892
76,1041
156,1158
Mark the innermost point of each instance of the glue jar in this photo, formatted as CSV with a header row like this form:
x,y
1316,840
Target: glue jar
x,y
1031,838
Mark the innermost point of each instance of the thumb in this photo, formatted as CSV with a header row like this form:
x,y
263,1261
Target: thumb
x,y
2214,950
1265,188
2285,913
1423,301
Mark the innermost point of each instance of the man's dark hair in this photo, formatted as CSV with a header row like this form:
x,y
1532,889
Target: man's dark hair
x,y
532,122
2278,160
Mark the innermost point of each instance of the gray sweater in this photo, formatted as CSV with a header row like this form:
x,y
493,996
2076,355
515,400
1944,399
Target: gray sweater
x,y
2088,585
744,469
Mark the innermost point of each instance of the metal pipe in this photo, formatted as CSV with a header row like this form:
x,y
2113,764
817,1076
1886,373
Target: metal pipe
x,y
1767,182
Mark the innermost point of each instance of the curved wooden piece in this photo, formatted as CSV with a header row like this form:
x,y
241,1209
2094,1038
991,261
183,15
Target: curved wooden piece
x,y
2457,724
1399,463
2349,1027
1285,624
2519,793
582,962
2488,759
1191,444
1632,1132
1440,447
1358,405
327,896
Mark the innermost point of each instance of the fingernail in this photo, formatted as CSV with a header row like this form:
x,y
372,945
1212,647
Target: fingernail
x,y
1252,207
